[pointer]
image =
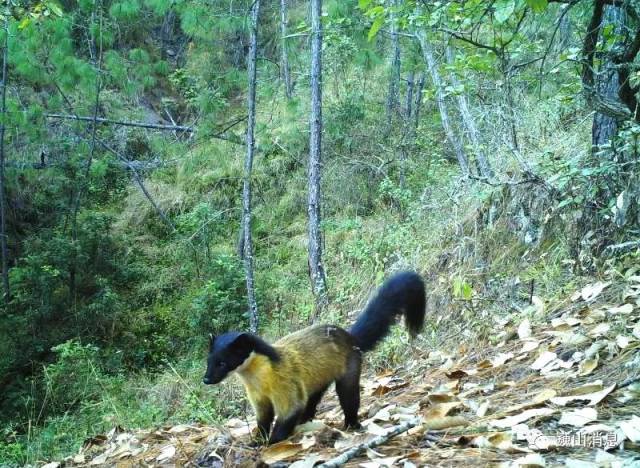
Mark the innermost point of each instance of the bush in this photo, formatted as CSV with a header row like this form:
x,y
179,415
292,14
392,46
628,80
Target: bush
x,y
74,377
221,303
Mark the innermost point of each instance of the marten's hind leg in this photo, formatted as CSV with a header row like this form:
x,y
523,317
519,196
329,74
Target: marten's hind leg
x,y
348,389
312,404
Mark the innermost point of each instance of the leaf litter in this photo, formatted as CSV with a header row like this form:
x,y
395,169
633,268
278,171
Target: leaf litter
x,y
556,391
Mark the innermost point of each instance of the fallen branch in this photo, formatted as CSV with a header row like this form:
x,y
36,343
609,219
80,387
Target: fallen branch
x,y
354,451
180,128
622,247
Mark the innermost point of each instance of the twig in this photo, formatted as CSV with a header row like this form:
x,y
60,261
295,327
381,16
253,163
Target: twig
x,y
629,381
354,451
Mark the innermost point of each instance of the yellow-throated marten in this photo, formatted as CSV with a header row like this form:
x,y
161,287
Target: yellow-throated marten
x,y
287,379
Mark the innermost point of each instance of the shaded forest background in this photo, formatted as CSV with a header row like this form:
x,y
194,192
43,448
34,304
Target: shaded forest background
x,y
492,146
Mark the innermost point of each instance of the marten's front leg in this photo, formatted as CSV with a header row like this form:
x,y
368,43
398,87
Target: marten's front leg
x,y
264,416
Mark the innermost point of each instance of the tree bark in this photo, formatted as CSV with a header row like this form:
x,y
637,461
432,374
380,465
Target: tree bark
x,y
469,123
409,100
248,164
167,30
393,97
607,82
453,139
96,47
3,222
318,279
284,59
418,97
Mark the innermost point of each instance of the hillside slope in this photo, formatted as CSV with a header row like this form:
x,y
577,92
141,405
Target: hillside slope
x,y
559,388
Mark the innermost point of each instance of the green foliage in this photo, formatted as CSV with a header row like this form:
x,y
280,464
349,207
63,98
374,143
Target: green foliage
x,y
73,377
220,304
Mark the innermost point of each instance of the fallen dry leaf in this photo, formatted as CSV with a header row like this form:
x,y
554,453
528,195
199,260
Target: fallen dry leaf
x,y
441,409
575,463
599,330
623,309
588,366
498,440
483,408
622,341
544,359
437,424
591,291
436,398
593,398
538,399
375,429
280,451
500,359
529,345
524,329
511,421
579,417
167,453
631,428
530,460
594,349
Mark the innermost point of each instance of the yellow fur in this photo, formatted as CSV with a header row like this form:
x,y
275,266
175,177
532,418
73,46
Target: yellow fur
x,y
310,360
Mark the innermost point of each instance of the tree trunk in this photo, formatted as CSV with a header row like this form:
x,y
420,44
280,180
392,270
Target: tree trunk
x,y
408,133
469,123
607,81
393,97
418,97
318,279
453,139
3,222
167,31
564,30
409,100
96,52
286,77
248,164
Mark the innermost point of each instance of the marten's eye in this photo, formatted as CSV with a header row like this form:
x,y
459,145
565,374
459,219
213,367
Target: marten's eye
x,y
221,364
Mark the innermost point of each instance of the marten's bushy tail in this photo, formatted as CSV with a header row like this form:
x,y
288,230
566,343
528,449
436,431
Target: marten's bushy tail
x,y
403,293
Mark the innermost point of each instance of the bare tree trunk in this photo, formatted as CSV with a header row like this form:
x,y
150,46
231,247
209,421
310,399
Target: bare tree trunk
x,y
442,106
393,97
409,100
467,119
96,52
3,222
318,279
418,105
167,30
511,107
286,77
248,163
564,30
407,131
607,81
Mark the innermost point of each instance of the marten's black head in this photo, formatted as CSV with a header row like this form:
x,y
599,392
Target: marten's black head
x,y
230,350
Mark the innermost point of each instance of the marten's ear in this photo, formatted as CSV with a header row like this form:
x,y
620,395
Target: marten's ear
x,y
211,339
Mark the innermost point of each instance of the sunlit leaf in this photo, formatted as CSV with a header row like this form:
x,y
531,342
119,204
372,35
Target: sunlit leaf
x,y
375,27
538,5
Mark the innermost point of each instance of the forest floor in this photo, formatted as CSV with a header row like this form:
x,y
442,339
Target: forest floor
x,y
558,388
